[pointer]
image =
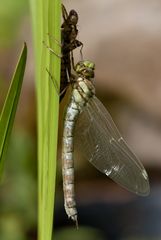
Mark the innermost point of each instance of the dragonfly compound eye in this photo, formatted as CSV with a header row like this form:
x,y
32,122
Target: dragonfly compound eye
x,y
89,64
88,73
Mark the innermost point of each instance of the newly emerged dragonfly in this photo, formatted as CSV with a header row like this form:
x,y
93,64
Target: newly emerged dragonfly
x,y
69,42
88,124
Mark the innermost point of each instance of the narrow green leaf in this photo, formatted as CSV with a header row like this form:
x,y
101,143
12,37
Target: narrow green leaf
x,y
46,19
9,109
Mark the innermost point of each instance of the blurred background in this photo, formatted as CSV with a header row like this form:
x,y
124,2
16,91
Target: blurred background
x,y
123,38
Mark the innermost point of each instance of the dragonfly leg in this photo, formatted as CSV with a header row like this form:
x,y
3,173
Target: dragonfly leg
x,y
81,52
54,39
53,81
68,47
56,85
72,57
72,60
52,51
64,12
69,75
63,91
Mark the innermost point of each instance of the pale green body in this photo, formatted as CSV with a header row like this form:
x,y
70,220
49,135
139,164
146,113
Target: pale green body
x,y
83,90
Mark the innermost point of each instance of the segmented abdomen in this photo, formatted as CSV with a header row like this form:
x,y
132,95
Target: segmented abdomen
x,y
82,92
72,114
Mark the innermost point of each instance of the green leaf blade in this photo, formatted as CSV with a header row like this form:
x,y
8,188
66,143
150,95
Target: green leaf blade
x,y
46,17
10,106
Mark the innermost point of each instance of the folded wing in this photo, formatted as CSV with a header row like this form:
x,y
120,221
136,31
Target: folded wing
x,y
97,137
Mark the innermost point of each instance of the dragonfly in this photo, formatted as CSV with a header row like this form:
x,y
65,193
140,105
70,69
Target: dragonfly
x,y
88,125
69,42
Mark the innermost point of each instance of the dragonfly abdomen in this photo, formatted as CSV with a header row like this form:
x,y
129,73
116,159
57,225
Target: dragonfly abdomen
x,y
80,94
68,162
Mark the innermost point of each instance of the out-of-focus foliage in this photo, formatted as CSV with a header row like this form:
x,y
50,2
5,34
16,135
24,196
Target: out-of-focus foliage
x,y
18,190
11,14
84,233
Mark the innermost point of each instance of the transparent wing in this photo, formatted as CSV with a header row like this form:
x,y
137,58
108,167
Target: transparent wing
x,y
97,137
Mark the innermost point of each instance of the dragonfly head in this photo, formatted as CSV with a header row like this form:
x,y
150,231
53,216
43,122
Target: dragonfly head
x,y
85,68
73,17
